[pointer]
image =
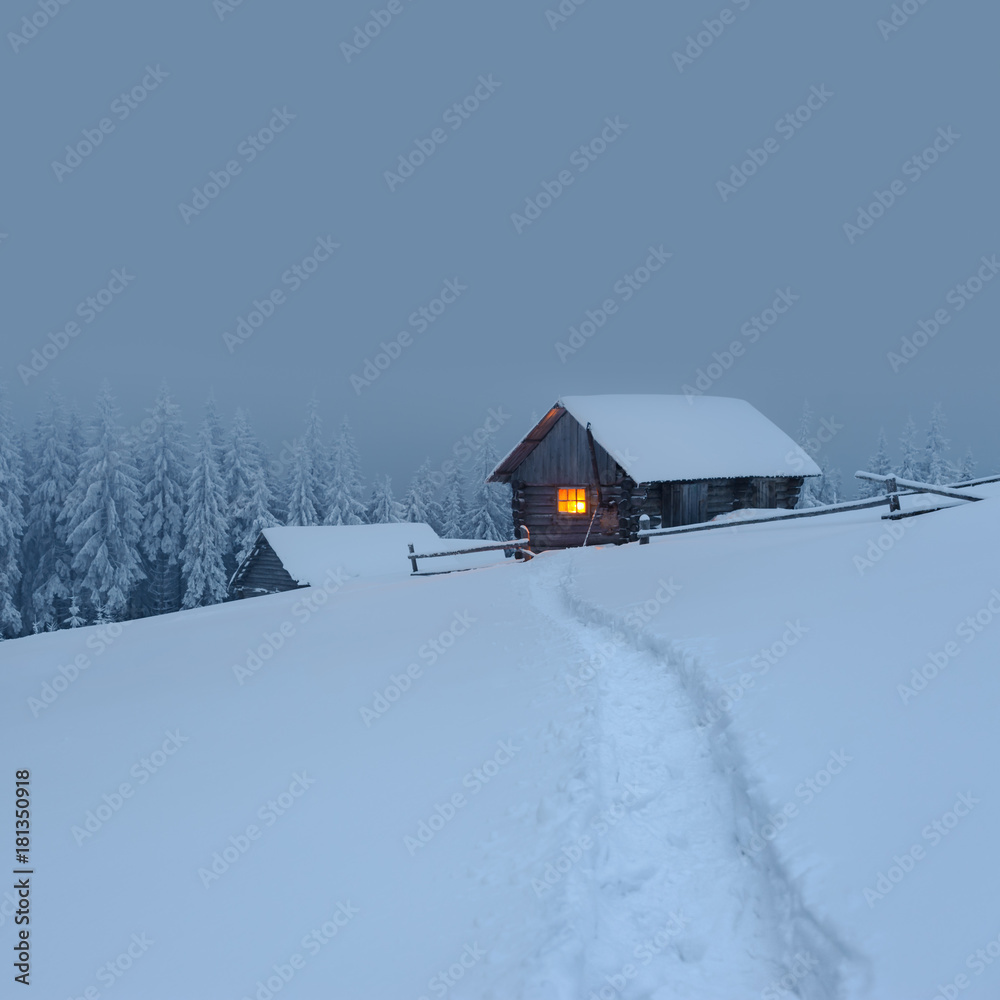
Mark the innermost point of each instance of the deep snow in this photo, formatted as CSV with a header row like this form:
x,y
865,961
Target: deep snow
x,y
568,774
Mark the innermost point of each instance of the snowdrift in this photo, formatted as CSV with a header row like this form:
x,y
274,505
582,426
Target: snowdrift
x,y
754,761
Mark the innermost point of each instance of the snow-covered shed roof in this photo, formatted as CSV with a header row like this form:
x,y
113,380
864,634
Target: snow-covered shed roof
x,y
311,554
669,438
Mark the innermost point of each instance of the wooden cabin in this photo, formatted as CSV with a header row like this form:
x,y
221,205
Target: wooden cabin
x,y
287,558
593,465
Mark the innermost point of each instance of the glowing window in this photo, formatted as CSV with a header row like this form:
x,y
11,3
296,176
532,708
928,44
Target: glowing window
x,y
572,501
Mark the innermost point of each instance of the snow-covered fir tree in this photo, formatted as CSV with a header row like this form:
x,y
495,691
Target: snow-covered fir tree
x,y
881,464
164,466
420,502
104,516
909,459
489,510
456,506
935,465
47,557
812,486
382,506
345,492
205,528
300,502
251,504
12,491
968,469
74,617
319,458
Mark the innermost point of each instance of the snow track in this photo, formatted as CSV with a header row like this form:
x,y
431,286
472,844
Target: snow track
x,y
656,898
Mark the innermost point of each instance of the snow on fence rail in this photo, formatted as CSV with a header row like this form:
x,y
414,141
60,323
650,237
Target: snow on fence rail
x,y
519,546
893,492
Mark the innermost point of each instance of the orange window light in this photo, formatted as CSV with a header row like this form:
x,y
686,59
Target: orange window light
x,y
572,501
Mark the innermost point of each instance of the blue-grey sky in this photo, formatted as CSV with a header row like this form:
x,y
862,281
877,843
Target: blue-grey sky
x,y
617,121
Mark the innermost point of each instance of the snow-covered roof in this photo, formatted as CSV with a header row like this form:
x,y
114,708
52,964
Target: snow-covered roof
x,y
311,554
669,438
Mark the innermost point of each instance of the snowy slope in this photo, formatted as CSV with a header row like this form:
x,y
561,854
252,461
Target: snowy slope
x,y
553,778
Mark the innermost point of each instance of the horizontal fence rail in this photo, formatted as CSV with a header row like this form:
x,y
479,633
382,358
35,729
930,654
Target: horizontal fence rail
x,y
520,547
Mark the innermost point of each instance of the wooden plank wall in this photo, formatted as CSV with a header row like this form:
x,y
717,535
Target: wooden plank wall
x,y
264,574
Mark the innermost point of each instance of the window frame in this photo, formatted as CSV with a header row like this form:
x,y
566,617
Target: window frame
x,y
580,494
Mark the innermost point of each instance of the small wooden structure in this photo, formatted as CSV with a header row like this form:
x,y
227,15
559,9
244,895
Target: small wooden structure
x,y
593,465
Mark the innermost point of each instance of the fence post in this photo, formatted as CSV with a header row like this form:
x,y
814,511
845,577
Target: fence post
x,y
644,526
413,558
891,489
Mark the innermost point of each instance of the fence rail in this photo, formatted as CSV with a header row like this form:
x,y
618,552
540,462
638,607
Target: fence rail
x,y
894,487
520,547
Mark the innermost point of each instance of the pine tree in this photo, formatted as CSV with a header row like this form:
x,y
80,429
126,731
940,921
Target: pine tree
x,y
104,517
490,514
812,486
935,466
205,528
880,464
420,503
968,470
300,505
829,484
47,556
909,462
12,492
344,497
74,619
382,508
456,509
319,460
165,473
251,504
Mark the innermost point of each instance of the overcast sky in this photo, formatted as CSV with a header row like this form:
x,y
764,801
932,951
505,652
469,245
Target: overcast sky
x,y
617,122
